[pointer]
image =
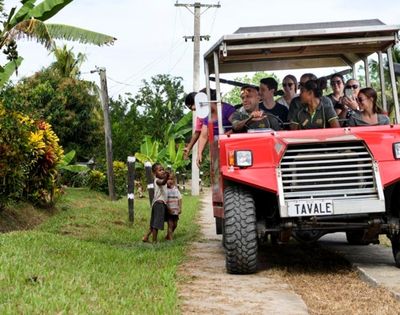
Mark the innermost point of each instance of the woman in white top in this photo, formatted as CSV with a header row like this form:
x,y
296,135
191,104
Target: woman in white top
x,y
289,85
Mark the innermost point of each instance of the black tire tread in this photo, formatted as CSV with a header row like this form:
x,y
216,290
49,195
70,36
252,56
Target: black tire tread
x,y
240,237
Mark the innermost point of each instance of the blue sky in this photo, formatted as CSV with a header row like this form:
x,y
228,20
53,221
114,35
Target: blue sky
x,y
150,32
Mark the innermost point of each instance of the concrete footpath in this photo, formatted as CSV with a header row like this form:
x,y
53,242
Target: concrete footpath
x,y
208,289
375,263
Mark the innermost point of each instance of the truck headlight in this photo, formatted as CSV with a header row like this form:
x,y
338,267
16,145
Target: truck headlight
x,y
396,150
245,158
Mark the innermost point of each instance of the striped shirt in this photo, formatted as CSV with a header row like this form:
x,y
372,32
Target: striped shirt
x,y
173,201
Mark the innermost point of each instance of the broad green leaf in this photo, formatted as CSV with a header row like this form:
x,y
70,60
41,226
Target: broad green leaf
x,y
9,70
47,9
146,146
183,132
22,13
67,158
171,149
154,150
33,29
143,158
183,122
67,32
167,132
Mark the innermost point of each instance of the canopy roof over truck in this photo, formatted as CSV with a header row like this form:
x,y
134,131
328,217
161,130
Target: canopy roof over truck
x,y
300,46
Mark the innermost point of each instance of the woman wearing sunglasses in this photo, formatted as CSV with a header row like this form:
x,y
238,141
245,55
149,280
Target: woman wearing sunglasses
x,y
370,113
350,99
337,85
289,85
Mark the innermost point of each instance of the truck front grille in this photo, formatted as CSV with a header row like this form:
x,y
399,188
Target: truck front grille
x,y
333,170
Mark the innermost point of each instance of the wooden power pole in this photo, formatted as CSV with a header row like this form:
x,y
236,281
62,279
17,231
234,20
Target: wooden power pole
x,y
196,38
107,131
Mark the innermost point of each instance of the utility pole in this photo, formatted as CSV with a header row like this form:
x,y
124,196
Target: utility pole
x,y
107,131
196,38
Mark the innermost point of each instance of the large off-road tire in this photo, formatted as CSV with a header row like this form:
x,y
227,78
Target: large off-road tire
x,y
356,238
240,236
395,239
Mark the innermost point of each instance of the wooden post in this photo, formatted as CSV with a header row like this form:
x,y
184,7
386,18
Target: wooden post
x,y
107,132
200,181
183,181
177,180
131,187
150,182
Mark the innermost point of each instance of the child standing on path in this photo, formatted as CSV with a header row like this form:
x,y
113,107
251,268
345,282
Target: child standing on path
x,y
174,204
159,205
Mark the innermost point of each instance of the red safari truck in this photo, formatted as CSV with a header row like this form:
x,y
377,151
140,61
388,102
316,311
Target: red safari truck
x,y
276,185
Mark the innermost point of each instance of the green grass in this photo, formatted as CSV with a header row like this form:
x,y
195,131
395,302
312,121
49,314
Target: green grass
x,y
87,259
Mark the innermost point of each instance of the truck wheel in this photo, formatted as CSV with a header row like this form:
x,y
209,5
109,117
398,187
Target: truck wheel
x,y
240,237
356,238
396,249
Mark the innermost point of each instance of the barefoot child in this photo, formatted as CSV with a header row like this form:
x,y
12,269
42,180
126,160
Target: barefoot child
x,y
159,205
174,204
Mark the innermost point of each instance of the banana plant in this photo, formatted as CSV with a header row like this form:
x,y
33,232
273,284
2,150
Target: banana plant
x,y
28,22
174,155
180,129
65,163
148,151
8,70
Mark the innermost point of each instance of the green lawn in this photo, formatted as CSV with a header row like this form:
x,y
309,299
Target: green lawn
x,y
87,259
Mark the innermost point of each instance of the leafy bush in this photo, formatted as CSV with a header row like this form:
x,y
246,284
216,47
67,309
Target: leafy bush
x,y
97,181
120,178
29,155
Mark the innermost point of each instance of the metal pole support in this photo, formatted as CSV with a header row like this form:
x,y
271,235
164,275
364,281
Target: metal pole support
x,y
150,182
131,187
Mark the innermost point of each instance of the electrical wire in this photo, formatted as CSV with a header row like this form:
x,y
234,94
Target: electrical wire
x,y
179,60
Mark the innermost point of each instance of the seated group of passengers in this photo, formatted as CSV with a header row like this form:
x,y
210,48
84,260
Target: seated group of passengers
x,y
310,109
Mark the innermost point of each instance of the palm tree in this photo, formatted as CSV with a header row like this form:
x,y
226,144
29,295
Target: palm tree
x,y
67,64
28,22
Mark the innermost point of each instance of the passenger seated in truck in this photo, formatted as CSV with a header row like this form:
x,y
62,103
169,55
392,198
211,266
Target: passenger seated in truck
x,y
250,116
349,101
295,104
227,113
337,85
269,89
318,111
289,85
370,113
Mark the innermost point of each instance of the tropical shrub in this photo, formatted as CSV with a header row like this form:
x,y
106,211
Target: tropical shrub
x,y
120,178
70,105
97,179
29,155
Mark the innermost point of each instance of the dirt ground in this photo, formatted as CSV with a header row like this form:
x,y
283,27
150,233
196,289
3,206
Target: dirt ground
x,y
207,288
291,279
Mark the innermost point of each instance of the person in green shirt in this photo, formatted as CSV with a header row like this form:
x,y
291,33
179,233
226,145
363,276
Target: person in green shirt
x,y
318,112
250,116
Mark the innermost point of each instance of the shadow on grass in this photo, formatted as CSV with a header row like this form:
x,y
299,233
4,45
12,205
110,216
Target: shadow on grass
x,y
300,258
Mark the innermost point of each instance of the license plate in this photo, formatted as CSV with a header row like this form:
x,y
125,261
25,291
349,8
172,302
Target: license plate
x,y
312,207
